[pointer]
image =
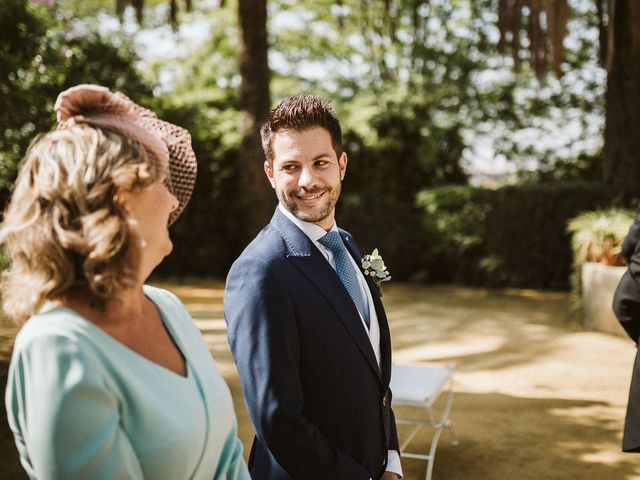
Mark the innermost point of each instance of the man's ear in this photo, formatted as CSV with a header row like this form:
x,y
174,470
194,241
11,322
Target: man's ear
x,y
268,169
342,163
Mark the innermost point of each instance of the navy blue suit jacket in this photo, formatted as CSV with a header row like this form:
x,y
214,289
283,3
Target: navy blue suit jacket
x,y
318,401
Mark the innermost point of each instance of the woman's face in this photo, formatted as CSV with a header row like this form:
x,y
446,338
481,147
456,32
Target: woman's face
x,y
148,210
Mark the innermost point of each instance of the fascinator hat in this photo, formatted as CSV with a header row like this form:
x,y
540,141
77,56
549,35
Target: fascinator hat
x,y
165,143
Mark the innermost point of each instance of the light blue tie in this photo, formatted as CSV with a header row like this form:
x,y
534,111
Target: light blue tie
x,y
346,272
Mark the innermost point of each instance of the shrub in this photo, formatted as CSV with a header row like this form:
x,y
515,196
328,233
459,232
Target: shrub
x,y
453,225
597,236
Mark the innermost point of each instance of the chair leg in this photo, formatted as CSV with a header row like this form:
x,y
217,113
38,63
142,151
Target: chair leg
x,y
452,433
429,469
432,451
443,423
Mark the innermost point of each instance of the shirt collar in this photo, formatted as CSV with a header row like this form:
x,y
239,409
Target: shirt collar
x,y
311,230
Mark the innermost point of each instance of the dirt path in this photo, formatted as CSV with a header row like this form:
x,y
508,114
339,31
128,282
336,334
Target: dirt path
x,y
537,397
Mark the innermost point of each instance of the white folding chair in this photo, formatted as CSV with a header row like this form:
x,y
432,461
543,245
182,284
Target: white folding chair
x,y
419,386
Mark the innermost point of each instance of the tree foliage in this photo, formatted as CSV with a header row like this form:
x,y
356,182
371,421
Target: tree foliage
x,y
437,64
42,55
420,88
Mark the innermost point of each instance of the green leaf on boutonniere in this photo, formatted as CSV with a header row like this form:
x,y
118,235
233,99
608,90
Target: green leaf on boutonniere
x,y
374,267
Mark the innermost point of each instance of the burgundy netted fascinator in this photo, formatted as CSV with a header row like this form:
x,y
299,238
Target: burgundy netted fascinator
x,y
163,141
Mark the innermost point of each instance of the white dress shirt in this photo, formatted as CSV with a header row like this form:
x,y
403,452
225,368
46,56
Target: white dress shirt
x,y
315,233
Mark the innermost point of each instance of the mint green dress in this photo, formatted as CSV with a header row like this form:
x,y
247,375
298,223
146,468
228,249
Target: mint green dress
x,y
81,405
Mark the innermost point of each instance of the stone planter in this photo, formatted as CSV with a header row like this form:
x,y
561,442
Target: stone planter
x,y
599,282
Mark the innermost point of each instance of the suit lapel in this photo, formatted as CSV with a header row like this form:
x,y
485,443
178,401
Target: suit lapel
x,y
385,334
308,259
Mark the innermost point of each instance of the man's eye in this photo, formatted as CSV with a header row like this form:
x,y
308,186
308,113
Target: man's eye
x,y
289,168
321,163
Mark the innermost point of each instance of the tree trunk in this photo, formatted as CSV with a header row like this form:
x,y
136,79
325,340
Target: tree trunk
x,y
622,123
256,194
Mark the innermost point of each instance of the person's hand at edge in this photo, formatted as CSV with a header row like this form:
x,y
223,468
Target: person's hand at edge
x,y
390,476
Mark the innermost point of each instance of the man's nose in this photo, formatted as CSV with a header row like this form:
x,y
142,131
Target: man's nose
x,y
307,178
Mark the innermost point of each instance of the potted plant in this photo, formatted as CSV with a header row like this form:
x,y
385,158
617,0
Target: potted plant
x,y
598,264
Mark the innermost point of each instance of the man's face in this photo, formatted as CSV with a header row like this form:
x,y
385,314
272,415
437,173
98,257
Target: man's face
x,y
306,174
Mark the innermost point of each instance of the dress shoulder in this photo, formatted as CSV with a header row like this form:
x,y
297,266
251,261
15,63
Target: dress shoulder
x,y
162,297
169,304
55,325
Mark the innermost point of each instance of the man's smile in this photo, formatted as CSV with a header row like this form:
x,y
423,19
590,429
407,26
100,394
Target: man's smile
x,y
310,196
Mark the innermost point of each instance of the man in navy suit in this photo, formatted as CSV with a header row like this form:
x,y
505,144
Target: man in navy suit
x,y
308,331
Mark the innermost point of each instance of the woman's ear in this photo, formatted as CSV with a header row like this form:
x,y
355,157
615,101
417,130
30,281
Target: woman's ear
x,y
122,198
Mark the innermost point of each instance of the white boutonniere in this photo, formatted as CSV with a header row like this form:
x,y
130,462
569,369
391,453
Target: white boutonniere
x,y
374,267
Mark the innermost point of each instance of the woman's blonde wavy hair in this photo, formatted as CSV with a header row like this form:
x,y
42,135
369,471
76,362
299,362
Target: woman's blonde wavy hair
x,y
63,228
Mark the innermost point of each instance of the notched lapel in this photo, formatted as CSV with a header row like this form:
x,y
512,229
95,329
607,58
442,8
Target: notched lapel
x,y
316,268
308,259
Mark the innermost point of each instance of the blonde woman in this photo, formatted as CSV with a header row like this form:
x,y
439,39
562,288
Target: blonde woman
x,y
109,378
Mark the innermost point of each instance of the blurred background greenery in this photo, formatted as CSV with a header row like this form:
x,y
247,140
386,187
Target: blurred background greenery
x,y
475,128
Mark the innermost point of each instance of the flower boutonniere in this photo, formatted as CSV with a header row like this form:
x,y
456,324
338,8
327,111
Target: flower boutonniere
x,y
374,267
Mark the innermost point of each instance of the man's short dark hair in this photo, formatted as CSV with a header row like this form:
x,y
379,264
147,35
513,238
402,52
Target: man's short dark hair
x,y
300,113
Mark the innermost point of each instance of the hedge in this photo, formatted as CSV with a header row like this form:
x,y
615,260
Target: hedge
x,y
513,236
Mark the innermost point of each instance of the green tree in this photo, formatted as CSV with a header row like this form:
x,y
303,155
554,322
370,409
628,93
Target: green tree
x,y
40,57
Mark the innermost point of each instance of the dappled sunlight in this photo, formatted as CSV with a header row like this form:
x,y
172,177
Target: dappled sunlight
x,y
207,324
227,369
515,342
573,365
516,437
211,306
471,345
602,457
204,311
591,415
397,293
195,289
598,453
528,382
534,294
